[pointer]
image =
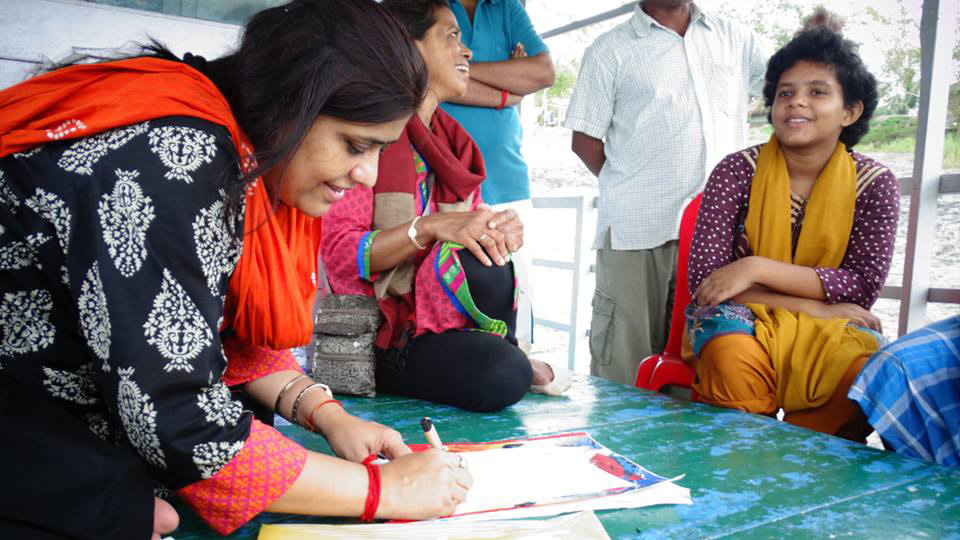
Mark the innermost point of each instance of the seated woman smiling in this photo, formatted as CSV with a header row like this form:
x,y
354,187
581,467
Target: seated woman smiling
x,y
436,258
792,246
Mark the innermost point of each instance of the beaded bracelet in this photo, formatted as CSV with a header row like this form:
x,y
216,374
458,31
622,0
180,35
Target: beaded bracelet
x,y
310,427
296,403
290,383
373,490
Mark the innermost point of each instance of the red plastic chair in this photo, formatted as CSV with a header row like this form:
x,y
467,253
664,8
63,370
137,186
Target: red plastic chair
x,y
660,370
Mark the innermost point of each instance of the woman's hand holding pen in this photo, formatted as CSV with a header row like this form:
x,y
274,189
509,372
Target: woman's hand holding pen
x,y
423,485
430,483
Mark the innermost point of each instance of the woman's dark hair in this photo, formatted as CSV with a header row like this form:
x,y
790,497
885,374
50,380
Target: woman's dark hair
x,y
416,15
343,58
827,47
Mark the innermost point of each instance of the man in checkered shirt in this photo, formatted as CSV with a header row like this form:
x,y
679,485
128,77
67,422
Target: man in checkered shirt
x,y
910,392
660,99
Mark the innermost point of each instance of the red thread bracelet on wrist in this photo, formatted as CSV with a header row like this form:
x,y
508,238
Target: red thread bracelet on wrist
x,y
310,426
373,489
503,99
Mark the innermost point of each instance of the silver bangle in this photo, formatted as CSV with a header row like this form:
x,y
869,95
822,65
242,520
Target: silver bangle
x,y
296,402
290,383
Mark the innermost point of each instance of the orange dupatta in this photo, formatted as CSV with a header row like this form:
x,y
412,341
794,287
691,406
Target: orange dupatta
x,y
270,296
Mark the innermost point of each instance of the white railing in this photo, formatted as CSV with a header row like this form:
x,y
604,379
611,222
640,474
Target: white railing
x,y
575,266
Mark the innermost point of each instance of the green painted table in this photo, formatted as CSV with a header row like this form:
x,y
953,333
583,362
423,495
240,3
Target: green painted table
x,y
750,476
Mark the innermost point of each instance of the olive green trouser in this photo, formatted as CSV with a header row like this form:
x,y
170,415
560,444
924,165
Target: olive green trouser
x,y
631,308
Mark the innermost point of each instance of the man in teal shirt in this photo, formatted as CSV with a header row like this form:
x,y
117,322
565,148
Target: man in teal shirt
x,y
509,61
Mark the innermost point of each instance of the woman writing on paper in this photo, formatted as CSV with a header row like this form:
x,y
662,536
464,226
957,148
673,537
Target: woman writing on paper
x,y
158,237
792,245
437,260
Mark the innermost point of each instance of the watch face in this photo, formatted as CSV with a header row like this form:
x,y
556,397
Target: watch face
x,y
412,233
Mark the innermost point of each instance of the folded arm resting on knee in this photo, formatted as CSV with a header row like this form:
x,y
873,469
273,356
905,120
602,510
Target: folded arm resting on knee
x,y
759,280
739,276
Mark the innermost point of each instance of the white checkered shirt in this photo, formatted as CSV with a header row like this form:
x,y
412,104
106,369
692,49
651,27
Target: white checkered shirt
x,y
668,108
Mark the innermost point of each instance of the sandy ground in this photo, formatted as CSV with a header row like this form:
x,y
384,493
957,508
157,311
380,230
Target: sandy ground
x,y
550,234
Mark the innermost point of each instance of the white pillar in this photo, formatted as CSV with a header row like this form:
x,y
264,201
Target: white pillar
x,y
936,48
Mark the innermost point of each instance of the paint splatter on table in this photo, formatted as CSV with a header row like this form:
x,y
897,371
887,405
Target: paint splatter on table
x,y
750,476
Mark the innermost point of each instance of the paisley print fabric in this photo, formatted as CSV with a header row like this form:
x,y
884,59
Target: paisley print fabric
x,y
115,251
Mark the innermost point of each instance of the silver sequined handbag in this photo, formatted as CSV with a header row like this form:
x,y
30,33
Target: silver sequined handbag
x,y
341,353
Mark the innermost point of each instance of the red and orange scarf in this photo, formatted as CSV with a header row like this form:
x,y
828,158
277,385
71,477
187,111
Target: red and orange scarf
x,y
457,167
453,157
270,296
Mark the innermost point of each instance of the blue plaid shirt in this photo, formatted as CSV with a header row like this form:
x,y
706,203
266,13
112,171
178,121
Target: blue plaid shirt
x,y
910,392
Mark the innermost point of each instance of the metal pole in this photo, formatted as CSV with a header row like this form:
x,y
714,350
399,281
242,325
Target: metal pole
x,y
626,8
575,292
936,47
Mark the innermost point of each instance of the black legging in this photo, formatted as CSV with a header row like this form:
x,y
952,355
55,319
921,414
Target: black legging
x,y
476,371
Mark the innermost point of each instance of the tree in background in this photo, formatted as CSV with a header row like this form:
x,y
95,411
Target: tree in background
x,y
776,21
551,102
896,27
888,31
900,85
900,80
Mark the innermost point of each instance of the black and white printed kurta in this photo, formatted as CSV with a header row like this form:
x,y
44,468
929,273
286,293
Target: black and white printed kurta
x,y
115,253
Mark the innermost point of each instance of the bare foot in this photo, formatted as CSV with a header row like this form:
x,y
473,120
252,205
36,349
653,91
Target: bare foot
x,y
542,372
165,518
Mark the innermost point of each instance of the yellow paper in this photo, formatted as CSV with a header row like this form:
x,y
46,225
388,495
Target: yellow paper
x,y
581,525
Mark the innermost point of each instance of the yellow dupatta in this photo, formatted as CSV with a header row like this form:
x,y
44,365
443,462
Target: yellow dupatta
x,y
810,355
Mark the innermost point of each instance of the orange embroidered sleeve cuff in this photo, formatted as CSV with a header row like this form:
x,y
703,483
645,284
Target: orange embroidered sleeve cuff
x,y
246,362
265,468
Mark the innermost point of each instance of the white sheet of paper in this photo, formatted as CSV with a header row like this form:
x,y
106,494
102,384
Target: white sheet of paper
x,y
662,493
506,477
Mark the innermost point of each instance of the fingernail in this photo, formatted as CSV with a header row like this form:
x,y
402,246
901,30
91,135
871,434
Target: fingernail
x,y
500,261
